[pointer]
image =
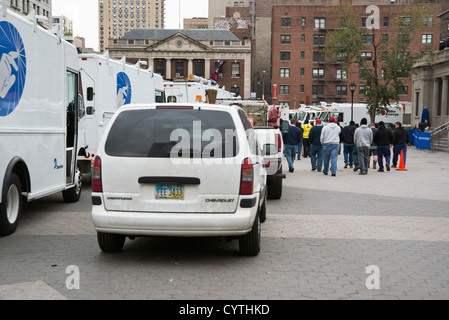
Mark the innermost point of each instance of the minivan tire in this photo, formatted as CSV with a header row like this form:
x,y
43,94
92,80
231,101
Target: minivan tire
x,y
110,242
249,244
11,206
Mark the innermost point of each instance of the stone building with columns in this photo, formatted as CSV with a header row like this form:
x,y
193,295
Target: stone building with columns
x,y
431,89
175,54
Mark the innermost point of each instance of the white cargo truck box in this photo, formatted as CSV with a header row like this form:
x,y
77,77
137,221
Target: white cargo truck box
x,y
39,110
108,85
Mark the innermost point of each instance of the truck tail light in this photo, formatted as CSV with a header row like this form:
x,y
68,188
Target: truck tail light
x,y
247,179
279,141
97,183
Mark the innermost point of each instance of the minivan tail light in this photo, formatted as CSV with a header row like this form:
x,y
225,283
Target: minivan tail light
x,y
247,179
279,142
97,183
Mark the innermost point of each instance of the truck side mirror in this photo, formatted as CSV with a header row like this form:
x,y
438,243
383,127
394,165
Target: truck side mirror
x,y
90,94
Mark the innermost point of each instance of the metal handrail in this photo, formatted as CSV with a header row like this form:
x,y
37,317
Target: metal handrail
x,y
439,129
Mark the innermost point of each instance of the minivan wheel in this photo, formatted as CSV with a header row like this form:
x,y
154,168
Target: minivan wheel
x,y
11,206
110,242
250,243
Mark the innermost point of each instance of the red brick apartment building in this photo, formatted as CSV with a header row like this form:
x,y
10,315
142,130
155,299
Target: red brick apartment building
x,y
304,76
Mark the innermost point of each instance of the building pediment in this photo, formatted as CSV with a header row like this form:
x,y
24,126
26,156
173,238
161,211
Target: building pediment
x,y
179,42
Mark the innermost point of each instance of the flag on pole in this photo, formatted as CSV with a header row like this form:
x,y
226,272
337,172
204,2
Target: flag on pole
x,y
216,73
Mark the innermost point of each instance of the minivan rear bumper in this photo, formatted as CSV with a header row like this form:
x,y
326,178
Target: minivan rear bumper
x,y
174,224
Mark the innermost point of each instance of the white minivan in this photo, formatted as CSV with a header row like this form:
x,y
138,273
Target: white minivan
x,y
179,170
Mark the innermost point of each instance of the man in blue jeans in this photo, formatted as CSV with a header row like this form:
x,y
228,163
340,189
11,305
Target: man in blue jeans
x,y
316,148
291,141
330,139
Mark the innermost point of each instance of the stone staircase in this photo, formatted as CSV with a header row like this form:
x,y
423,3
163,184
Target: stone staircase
x,y
440,138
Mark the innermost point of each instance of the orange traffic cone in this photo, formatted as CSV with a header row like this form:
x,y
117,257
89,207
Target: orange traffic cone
x,y
402,164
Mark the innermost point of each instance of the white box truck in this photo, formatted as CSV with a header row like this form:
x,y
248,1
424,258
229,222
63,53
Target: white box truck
x,y
108,85
40,106
194,90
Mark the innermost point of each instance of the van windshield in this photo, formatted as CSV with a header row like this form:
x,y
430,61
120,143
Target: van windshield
x,y
164,133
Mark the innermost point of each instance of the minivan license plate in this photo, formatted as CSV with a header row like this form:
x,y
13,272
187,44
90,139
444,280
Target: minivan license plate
x,y
169,192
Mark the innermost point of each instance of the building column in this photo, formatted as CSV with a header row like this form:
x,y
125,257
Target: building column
x,y
168,74
189,67
444,93
207,68
436,97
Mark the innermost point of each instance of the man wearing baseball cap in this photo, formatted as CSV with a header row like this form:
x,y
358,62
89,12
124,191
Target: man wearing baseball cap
x,y
330,139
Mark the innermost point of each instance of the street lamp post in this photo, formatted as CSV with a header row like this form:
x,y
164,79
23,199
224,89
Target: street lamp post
x,y
352,87
263,86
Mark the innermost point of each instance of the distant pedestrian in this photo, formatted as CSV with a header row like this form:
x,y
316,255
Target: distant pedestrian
x,y
384,140
299,151
423,125
330,139
316,148
363,137
401,139
291,141
373,148
348,144
306,142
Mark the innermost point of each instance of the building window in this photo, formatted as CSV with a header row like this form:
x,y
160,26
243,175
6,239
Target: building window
x,y
285,72
303,55
179,69
426,38
235,70
285,55
318,57
160,67
318,74
319,40
386,22
342,90
236,90
301,88
199,68
404,90
303,38
284,89
318,90
320,23
286,22
342,74
286,39
302,72
303,21
367,56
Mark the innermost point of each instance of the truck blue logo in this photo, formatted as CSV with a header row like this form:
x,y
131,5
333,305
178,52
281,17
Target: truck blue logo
x,y
123,89
13,67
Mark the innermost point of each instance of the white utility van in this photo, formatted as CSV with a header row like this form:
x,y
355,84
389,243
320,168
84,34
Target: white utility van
x,y
108,85
183,170
40,104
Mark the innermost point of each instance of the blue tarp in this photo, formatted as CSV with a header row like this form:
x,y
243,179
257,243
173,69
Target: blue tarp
x,y
422,140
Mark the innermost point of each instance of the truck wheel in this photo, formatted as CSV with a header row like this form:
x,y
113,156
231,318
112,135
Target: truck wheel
x,y
110,242
274,189
11,206
74,194
249,244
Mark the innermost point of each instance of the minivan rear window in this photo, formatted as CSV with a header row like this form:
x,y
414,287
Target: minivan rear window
x,y
165,133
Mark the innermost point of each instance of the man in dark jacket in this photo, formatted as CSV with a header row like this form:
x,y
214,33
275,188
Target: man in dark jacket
x,y
348,143
401,139
383,139
316,148
291,141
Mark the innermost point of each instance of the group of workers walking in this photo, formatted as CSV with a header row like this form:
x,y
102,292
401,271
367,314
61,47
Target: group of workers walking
x,y
360,144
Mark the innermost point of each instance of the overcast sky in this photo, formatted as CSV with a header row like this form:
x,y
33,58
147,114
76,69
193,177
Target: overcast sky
x,y
84,14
